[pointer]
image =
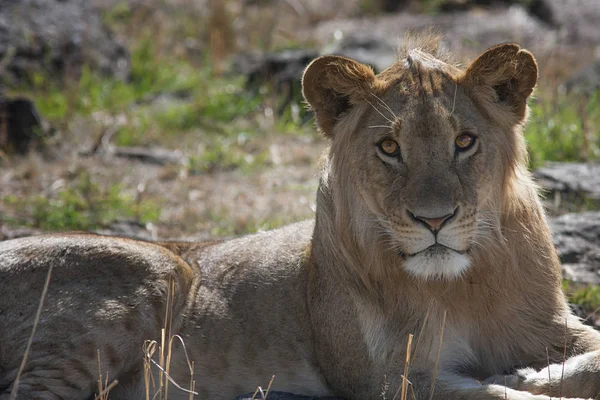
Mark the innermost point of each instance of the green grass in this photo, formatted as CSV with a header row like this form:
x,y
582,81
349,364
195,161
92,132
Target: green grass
x,y
586,296
225,154
555,131
83,205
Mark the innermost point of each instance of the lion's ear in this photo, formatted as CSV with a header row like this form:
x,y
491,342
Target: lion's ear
x,y
505,73
332,85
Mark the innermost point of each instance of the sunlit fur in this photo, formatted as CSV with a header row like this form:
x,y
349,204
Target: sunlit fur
x,y
437,264
499,279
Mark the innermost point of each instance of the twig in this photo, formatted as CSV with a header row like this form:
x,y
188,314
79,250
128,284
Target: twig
x,y
562,376
437,360
106,390
406,368
168,376
100,389
549,378
13,393
269,387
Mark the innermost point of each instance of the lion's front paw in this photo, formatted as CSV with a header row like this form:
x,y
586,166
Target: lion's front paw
x,y
513,381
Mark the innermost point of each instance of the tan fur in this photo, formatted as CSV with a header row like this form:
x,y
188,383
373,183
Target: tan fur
x,y
327,306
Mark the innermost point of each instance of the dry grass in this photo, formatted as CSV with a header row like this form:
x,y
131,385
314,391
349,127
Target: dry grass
x,y
13,393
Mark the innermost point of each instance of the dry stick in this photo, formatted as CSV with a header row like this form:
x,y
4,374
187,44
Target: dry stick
x,y
192,383
149,348
168,324
412,391
161,362
406,367
562,375
269,387
104,394
100,389
167,376
590,315
187,359
163,338
13,393
437,360
425,320
549,378
255,393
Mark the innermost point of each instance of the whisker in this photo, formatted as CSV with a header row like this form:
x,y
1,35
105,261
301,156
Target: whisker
x,y
385,105
380,113
454,100
380,126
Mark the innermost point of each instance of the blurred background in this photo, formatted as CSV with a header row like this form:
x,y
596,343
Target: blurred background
x,y
184,118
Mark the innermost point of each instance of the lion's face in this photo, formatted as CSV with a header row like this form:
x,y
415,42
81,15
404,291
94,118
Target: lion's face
x,y
423,169
427,159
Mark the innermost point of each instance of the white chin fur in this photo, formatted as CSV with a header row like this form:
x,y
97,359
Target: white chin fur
x,y
437,264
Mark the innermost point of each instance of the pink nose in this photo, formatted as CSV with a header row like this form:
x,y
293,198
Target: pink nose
x,y
433,224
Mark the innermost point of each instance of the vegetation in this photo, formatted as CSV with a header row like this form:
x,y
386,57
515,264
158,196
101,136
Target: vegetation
x,y
180,98
82,206
562,128
585,296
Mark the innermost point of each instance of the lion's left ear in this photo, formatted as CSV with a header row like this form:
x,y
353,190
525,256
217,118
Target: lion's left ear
x,y
505,73
332,85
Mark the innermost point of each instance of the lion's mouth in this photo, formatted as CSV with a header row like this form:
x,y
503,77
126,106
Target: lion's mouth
x,y
434,249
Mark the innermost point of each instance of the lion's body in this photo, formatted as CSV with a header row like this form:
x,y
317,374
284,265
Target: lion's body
x,y
427,224
226,300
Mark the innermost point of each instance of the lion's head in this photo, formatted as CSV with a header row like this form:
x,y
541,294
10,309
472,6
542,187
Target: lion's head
x,y
423,154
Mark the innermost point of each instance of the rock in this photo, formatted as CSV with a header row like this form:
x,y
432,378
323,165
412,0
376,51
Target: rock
x,y
20,125
570,179
7,233
577,19
56,38
286,396
586,81
368,48
278,67
577,240
466,32
283,70
152,155
129,228
538,8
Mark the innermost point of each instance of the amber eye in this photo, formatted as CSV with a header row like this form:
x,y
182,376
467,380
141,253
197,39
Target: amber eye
x,y
389,147
464,142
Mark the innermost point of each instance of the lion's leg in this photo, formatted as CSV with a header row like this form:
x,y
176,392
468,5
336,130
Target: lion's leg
x,y
35,387
578,376
450,386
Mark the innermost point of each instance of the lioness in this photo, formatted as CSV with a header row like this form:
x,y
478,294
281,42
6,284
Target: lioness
x,y
427,223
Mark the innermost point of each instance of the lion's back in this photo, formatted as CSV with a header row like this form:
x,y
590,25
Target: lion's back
x,y
105,294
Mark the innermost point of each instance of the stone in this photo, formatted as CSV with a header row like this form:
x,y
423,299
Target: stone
x,y
20,125
571,179
577,240
56,38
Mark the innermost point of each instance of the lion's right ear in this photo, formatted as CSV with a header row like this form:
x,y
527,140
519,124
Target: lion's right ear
x,y
332,85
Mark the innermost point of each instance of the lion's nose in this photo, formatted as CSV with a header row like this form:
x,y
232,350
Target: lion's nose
x,y
434,224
